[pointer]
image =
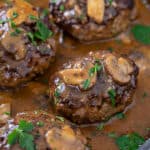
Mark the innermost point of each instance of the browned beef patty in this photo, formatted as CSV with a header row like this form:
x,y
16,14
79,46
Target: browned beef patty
x,y
21,56
92,20
53,134
93,88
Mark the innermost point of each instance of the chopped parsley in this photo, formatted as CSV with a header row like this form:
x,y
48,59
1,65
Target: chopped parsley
x,y
129,142
110,49
7,113
112,135
97,67
41,33
56,95
16,32
22,136
100,126
12,24
112,96
144,95
141,33
62,8
53,1
86,84
120,115
40,123
94,69
60,118
14,15
45,13
110,2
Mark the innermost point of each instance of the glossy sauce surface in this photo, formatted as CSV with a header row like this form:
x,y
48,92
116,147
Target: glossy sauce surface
x,y
33,95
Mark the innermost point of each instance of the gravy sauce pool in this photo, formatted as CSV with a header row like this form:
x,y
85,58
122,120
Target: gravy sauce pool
x,y
33,95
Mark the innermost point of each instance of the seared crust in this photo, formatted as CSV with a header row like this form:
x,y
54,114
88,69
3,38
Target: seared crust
x,y
42,134
20,59
94,103
75,20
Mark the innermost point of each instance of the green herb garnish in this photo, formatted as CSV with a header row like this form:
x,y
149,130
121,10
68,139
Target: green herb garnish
x,y
15,32
22,136
86,84
110,2
56,95
15,15
40,123
120,115
60,118
100,126
110,49
112,135
45,13
94,69
112,96
7,113
130,141
53,1
144,95
62,8
42,32
141,33
97,67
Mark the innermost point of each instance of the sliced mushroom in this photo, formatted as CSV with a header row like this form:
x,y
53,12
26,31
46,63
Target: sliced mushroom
x,y
119,68
14,45
4,113
96,9
125,65
74,76
23,9
64,139
77,76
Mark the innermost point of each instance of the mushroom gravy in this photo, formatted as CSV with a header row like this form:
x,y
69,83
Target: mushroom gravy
x,y
33,95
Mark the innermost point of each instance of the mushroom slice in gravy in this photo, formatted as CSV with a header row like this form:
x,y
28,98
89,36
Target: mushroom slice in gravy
x,y
64,139
101,94
96,10
77,76
119,68
23,10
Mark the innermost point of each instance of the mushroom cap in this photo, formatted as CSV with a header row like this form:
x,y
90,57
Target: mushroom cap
x,y
96,10
77,76
119,68
23,9
66,139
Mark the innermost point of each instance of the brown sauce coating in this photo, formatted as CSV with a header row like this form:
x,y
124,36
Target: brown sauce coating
x,y
20,59
52,129
30,97
76,20
86,98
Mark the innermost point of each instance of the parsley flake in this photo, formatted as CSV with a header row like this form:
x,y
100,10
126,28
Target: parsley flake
x,y
141,33
130,141
112,95
22,136
60,118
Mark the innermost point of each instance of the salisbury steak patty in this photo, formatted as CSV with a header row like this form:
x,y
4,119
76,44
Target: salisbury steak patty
x,y
49,132
26,46
92,20
94,88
